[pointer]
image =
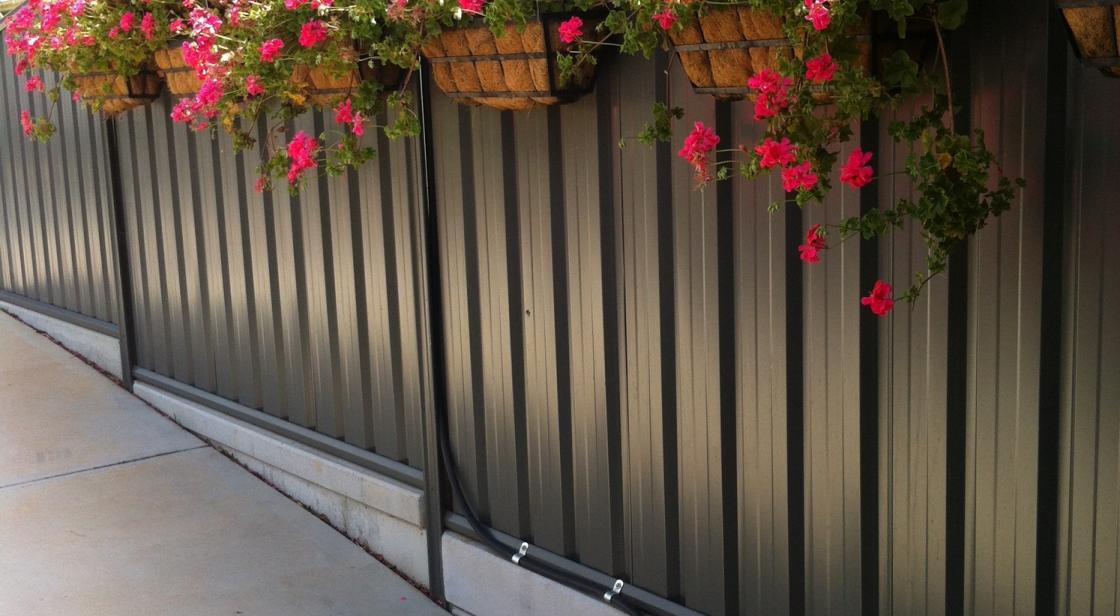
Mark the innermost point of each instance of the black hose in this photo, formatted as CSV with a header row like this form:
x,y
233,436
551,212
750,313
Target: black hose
x,y
527,561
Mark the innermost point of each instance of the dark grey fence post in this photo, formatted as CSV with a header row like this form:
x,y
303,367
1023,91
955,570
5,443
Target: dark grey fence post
x,y
428,239
118,238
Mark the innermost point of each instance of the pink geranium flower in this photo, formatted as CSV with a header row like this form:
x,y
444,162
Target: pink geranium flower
x,y
666,18
856,172
799,177
697,146
571,30
814,243
25,122
817,14
270,50
772,93
312,33
253,86
879,299
126,21
775,153
301,155
820,69
34,84
344,112
472,6
148,26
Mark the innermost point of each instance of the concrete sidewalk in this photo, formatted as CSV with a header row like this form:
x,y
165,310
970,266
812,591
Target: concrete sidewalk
x,y
107,507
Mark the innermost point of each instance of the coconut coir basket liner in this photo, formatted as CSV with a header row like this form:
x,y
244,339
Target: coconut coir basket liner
x,y
325,87
114,93
513,71
1096,30
724,48
180,77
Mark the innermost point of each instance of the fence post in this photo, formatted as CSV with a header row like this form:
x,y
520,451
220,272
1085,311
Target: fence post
x,y
434,488
118,238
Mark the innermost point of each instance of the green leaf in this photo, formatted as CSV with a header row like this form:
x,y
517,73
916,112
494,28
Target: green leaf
x,y
660,128
951,13
900,70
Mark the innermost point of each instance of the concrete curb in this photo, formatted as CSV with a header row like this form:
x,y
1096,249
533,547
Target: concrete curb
x,y
383,514
103,350
478,582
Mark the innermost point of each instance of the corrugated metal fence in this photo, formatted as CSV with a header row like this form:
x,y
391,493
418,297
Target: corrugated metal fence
x,y
644,378
56,247
303,307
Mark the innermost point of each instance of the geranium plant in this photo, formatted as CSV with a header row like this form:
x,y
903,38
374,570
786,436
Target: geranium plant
x,y
811,101
258,58
75,37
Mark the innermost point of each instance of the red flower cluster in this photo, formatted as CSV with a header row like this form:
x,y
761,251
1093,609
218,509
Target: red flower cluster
x,y
799,177
772,93
203,106
344,114
148,26
312,33
301,155
571,30
472,6
666,18
817,13
697,145
270,49
293,5
25,122
879,299
776,153
856,172
820,69
814,242
34,84
253,86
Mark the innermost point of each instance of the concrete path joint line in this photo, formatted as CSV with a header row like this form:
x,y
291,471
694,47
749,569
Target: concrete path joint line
x,y
99,467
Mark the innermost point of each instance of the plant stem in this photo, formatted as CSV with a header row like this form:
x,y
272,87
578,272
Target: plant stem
x,y
948,82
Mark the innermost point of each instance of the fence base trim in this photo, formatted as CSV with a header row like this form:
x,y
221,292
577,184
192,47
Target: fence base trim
x,y
479,582
382,514
96,346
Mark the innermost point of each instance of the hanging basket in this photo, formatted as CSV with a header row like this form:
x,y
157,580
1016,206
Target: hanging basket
x,y
325,87
1095,26
181,78
113,93
724,48
516,70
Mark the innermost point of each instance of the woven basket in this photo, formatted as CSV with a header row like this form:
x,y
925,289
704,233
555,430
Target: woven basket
x,y
324,87
513,71
724,48
181,78
114,93
1096,30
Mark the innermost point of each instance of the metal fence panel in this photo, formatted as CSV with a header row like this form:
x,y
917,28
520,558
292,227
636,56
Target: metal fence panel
x,y
289,305
56,248
1088,544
